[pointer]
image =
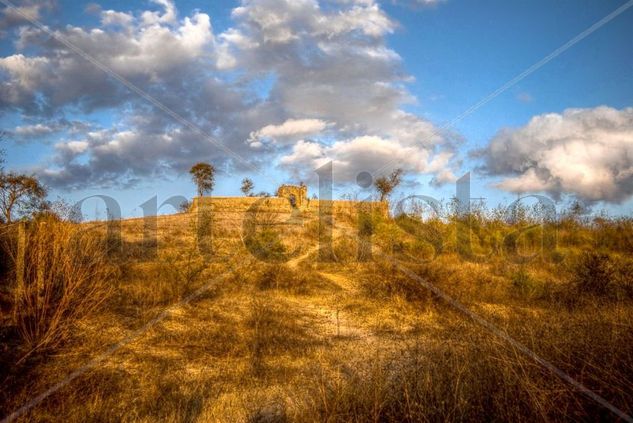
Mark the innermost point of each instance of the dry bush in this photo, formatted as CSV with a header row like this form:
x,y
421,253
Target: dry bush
x,y
171,276
593,273
595,277
390,237
384,279
614,234
524,285
282,277
182,270
62,274
275,276
429,235
267,245
6,244
345,250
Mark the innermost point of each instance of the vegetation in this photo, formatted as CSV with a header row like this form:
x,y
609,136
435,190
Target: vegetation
x,y
247,187
21,193
61,275
386,184
203,175
260,330
184,207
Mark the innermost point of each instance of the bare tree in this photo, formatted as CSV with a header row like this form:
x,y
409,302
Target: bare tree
x,y
19,192
203,175
386,184
247,187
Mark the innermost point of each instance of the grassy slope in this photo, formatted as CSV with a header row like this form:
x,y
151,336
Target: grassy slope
x,y
341,341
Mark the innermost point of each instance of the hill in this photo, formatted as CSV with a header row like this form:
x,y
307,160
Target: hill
x,y
258,316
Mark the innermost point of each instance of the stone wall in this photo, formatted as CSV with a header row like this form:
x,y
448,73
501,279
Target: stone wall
x,y
296,194
282,205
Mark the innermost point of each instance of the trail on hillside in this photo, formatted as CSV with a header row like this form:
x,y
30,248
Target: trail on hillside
x,y
327,309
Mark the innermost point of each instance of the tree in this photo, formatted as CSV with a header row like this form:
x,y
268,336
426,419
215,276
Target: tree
x,y
203,175
247,187
19,192
185,206
386,184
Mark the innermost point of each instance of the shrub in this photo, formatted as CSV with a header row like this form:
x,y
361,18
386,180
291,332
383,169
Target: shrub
x,y
61,275
282,277
522,282
266,245
384,280
275,276
593,273
345,250
181,271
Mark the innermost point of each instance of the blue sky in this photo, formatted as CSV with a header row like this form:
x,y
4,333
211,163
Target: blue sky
x,y
353,82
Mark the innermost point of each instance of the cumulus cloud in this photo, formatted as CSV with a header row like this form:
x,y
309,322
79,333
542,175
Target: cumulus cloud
x,y
286,131
369,153
335,66
584,152
146,51
336,91
32,9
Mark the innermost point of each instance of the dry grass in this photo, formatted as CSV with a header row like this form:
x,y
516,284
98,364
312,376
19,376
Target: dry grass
x,y
61,275
272,340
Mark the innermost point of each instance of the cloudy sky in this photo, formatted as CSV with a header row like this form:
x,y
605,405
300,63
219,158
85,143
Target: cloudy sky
x,y
121,98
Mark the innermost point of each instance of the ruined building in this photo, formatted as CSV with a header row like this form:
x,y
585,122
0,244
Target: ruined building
x,y
297,195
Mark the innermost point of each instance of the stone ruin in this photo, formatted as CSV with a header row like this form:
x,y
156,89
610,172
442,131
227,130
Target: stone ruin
x,y
297,195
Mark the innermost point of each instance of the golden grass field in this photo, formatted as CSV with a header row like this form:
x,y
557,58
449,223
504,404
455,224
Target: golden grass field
x,y
206,330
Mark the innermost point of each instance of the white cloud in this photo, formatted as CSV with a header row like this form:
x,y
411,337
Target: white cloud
x,y
366,153
76,147
287,130
327,72
143,53
335,66
585,152
168,16
33,130
111,17
27,72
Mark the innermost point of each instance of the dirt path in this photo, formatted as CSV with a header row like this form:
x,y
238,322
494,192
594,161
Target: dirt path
x,y
294,263
327,310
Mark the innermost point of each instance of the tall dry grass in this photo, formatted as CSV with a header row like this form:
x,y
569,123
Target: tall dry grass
x,y
61,274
